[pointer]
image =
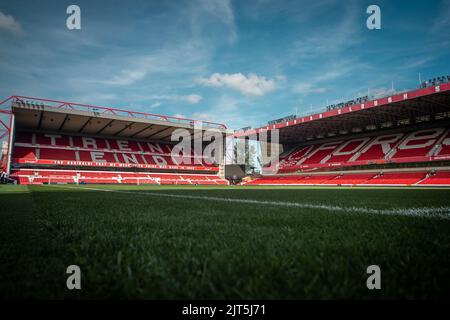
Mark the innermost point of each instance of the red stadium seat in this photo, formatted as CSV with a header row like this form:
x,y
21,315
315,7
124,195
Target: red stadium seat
x,y
42,147
423,145
400,178
39,176
439,178
49,150
391,178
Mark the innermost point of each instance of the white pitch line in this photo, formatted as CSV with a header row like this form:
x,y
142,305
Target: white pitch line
x,y
436,212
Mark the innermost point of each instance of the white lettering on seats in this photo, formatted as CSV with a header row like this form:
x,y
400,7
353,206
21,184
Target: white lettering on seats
x,y
123,145
302,152
446,142
130,158
97,156
383,141
339,152
89,143
429,135
155,148
325,146
53,138
159,160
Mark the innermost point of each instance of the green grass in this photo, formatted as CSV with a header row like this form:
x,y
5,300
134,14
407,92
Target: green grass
x,y
137,244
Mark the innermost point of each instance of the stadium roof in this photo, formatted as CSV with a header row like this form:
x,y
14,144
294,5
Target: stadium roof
x,y
371,115
53,115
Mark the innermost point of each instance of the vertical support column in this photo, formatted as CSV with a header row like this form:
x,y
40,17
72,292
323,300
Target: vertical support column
x,y
12,122
228,152
224,156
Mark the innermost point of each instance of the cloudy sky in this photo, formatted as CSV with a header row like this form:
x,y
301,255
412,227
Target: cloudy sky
x,y
237,62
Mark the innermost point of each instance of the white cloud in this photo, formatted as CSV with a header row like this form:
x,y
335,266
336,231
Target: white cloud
x,y
155,105
416,62
126,77
98,97
326,75
193,98
11,25
251,85
308,88
211,19
186,59
443,20
235,112
341,35
380,92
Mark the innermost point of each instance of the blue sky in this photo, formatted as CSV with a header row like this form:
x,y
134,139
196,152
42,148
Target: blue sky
x,y
237,62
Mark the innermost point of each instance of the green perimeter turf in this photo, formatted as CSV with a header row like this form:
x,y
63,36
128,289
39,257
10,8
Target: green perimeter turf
x,y
138,245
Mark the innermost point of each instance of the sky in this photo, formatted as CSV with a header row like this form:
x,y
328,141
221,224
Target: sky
x,y
241,63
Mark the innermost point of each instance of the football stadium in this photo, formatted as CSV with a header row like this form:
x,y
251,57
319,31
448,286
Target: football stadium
x,y
347,201
361,183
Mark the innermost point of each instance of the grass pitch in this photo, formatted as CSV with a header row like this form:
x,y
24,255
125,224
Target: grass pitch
x,y
224,242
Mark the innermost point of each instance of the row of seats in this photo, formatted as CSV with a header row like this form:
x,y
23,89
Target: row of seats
x,y
35,147
91,143
35,155
422,145
32,176
440,178
388,178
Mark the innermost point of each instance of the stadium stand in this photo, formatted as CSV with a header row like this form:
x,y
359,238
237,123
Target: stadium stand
x,y
39,147
60,142
422,145
398,140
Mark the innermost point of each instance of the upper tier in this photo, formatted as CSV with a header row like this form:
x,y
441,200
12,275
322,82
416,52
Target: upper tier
x,y
416,106
417,146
